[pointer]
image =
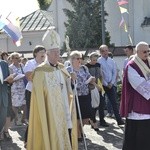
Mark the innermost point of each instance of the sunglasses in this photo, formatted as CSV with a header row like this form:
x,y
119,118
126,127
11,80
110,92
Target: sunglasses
x,y
146,51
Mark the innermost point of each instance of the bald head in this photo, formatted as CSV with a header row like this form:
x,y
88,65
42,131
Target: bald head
x,y
141,45
103,47
142,50
104,50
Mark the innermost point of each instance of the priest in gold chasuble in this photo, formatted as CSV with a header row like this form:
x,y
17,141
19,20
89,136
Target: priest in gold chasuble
x,y
52,120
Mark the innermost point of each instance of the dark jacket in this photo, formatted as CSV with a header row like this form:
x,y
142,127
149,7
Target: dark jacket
x,y
4,86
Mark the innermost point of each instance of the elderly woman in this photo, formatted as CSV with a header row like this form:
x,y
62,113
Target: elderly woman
x,y
94,69
18,87
82,77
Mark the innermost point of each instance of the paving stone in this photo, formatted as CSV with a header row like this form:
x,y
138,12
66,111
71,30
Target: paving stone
x,y
107,138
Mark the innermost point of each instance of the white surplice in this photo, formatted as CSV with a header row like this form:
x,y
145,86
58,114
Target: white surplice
x,y
136,81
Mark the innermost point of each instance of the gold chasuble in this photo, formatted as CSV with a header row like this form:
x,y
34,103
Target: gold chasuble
x,y
49,120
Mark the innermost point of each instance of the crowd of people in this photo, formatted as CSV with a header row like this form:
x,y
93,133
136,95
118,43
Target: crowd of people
x,y
58,98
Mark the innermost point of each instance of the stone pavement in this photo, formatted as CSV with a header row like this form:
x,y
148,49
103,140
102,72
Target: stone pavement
x,y
107,138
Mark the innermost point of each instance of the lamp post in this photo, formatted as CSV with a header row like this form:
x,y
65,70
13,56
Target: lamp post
x,y
103,21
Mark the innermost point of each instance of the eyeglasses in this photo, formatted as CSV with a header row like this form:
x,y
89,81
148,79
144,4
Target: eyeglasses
x,y
146,51
78,58
16,58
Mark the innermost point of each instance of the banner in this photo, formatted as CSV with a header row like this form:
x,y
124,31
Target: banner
x,y
123,11
10,25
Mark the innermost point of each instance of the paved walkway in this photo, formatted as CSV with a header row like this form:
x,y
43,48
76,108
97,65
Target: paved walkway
x,y
108,138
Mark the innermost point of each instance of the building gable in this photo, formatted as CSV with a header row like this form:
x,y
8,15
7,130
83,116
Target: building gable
x,y
38,20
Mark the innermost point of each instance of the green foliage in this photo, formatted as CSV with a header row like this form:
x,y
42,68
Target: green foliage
x,y
44,4
84,24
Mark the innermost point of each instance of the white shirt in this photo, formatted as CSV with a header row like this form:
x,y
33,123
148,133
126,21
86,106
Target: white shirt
x,y
135,80
66,63
29,67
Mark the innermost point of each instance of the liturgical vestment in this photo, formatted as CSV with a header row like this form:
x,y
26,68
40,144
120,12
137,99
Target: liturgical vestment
x,y
50,115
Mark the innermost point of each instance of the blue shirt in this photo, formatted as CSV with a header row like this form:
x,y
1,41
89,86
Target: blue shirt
x,y
108,69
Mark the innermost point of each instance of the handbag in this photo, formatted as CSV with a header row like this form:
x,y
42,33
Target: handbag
x,y
24,79
95,98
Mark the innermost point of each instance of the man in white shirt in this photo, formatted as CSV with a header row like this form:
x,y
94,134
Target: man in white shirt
x,y
135,101
109,74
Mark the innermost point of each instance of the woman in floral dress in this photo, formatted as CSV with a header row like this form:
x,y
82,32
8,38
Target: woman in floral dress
x,y
82,77
18,87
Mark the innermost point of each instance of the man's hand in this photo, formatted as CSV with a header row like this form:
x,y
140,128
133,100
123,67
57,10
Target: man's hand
x,y
110,85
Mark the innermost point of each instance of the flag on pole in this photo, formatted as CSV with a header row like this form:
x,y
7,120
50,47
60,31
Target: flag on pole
x,y
130,39
122,2
11,28
121,22
125,28
123,10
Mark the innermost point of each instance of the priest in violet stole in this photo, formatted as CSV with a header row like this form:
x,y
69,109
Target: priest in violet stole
x,y
135,101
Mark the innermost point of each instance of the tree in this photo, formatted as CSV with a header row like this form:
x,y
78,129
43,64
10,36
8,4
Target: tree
x,y
44,4
84,24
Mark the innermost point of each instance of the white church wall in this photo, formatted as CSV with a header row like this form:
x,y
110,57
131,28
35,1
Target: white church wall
x,y
138,9
59,16
112,24
120,62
